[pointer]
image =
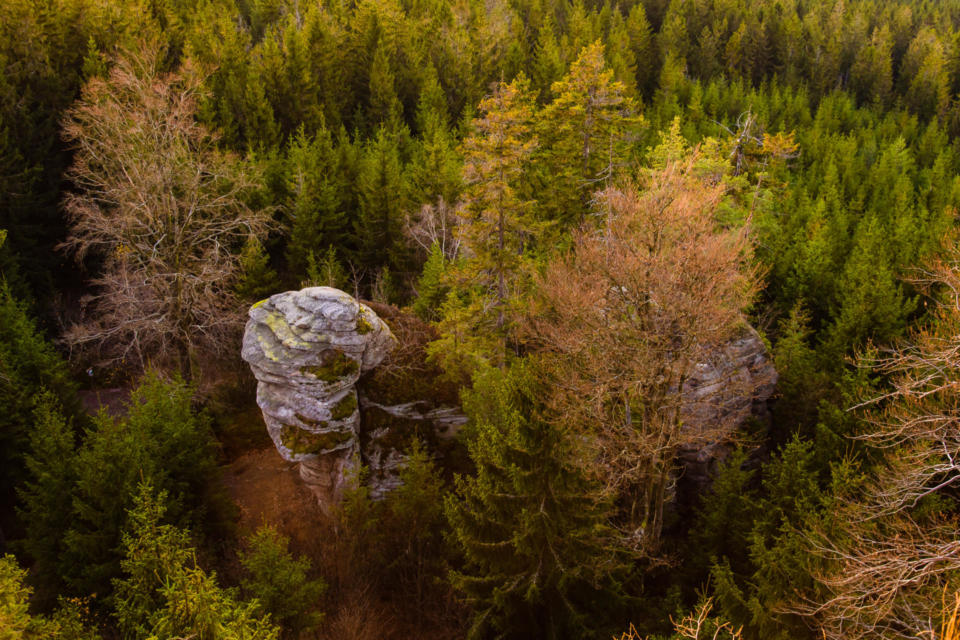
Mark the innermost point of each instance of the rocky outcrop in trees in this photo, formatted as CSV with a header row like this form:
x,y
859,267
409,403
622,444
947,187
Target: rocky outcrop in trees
x,y
307,350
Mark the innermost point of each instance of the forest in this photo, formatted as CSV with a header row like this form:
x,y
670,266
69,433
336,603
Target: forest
x,y
564,210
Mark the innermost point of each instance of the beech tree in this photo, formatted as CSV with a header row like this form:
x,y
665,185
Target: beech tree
x,y
627,314
163,210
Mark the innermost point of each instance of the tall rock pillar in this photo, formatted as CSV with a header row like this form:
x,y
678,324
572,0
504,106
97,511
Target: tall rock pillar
x,y
307,350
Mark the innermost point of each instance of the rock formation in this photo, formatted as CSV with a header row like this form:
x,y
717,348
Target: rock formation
x,y
722,394
307,350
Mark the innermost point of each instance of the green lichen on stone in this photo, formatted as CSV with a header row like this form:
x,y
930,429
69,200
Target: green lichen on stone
x,y
257,304
300,441
310,422
267,348
345,408
282,331
332,368
363,325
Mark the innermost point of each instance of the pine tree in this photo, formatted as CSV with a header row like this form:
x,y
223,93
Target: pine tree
x,y
531,527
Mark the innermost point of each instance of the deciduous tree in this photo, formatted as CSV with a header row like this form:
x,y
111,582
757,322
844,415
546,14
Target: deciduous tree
x,y
626,316
164,212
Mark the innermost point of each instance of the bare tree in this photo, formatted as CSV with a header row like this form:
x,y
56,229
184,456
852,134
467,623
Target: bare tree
x,y
625,316
163,209
897,547
440,224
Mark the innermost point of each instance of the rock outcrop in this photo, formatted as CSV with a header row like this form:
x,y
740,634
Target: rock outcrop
x,y
723,393
307,350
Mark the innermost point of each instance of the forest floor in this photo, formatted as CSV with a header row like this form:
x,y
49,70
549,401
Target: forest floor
x,y
268,490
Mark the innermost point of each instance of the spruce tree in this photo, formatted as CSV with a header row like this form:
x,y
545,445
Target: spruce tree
x,y
161,440
28,363
539,559
258,279
499,225
316,207
46,495
279,582
583,133
381,187
164,593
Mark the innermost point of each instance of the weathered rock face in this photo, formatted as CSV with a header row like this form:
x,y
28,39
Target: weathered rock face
x,y
721,394
307,350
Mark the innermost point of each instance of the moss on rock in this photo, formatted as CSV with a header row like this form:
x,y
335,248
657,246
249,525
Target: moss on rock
x,y
363,325
345,408
334,366
310,422
301,441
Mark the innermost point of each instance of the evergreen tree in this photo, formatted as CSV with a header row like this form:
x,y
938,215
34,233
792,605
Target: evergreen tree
x,y
385,106
46,496
381,188
414,513
583,135
499,224
28,363
161,440
539,559
432,287
317,206
279,582
165,593
258,279
16,621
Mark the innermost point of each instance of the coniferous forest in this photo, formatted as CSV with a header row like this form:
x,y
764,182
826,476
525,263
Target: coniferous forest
x,y
567,211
